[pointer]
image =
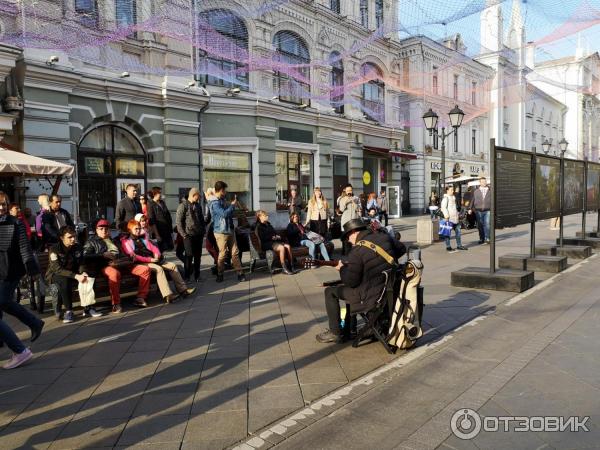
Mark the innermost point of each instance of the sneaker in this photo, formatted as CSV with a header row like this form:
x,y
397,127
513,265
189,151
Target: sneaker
x,y
69,317
461,248
18,359
329,336
241,277
487,242
117,309
450,250
35,332
91,312
140,302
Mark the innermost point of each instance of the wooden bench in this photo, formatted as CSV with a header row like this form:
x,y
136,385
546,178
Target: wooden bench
x,y
257,254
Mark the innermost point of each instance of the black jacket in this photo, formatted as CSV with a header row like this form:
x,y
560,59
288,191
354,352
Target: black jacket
x,y
126,211
16,256
362,272
294,234
64,261
93,255
265,232
190,219
50,227
159,215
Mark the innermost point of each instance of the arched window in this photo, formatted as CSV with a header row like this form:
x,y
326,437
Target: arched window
x,y
222,42
373,92
337,83
108,158
293,77
364,13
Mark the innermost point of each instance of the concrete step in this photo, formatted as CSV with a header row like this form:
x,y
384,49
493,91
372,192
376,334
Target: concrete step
x,y
501,280
591,242
540,263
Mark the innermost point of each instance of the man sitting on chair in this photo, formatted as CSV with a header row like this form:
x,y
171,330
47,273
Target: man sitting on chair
x,y
361,276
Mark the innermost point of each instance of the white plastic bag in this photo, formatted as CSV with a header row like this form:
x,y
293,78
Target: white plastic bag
x,y
86,292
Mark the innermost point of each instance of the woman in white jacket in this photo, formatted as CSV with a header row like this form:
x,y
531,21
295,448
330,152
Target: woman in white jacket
x,y
450,212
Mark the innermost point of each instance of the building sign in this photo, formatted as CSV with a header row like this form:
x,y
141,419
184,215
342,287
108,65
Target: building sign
x,y
437,166
366,178
512,182
574,179
225,160
547,187
94,165
593,187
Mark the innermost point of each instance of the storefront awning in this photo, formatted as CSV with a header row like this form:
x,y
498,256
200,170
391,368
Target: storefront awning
x,y
405,155
14,163
387,152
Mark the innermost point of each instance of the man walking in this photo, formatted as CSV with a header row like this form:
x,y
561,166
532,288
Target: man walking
x,y
16,259
482,203
128,207
191,227
222,219
383,206
54,219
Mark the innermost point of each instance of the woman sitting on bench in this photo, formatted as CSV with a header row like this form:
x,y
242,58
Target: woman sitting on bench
x,y
145,252
297,238
270,240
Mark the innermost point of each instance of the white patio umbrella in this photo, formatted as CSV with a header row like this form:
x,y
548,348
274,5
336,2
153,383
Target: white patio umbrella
x,y
21,164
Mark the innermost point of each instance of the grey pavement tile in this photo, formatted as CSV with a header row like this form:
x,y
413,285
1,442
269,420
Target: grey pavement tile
x,y
224,379
312,392
220,400
267,360
34,436
172,403
29,375
176,377
214,444
260,418
187,349
150,446
10,412
89,433
25,393
229,425
154,429
150,345
194,332
225,330
36,413
101,407
278,396
284,375
104,354
322,375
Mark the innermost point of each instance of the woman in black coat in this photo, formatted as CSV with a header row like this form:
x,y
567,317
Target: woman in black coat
x,y
270,240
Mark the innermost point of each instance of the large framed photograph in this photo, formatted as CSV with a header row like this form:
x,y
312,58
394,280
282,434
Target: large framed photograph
x,y
512,183
547,187
593,187
574,186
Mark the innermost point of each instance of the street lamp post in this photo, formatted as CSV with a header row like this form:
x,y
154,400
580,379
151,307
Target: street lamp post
x,y
431,120
563,144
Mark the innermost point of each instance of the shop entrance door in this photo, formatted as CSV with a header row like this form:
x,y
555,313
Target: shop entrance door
x,y
393,193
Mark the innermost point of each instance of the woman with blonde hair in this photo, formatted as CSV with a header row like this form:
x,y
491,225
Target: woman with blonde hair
x,y
318,208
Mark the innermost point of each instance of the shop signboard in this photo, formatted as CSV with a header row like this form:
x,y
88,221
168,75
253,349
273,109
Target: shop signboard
x,y
547,187
513,187
574,186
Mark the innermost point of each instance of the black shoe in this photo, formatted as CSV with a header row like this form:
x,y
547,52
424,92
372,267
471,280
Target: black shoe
x,y
219,278
33,306
35,332
450,250
241,277
329,336
214,270
287,271
461,248
481,242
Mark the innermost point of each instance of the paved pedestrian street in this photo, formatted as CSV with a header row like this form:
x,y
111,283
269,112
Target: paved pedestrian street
x,y
227,365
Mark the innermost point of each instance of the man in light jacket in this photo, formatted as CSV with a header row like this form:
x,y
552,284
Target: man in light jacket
x,y
383,206
350,207
222,220
482,203
191,227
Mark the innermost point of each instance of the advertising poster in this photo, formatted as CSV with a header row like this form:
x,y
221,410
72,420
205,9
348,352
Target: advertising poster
x,y
512,182
547,187
593,187
574,180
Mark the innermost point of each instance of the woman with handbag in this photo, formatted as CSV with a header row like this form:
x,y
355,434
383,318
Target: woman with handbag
x,y
270,240
101,256
451,219
143,251
316,216
299,237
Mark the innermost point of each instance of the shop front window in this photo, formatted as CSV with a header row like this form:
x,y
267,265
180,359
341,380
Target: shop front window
x,y
292,170
233,168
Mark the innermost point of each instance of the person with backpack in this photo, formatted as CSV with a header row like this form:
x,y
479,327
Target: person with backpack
x,y
450,212
191,226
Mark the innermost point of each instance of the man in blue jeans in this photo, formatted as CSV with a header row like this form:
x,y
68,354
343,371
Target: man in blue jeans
x,y
16,259
482,203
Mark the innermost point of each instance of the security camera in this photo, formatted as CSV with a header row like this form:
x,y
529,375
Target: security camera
x,y
124,75
52,60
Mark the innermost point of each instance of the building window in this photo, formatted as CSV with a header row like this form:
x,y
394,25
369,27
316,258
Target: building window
x,y
474,93
373,92
455,87
233,168
364,13
222,32
337,83
473,142
125,13
455,142
87,12
436,141
108,157
292,170
379,13
334,5
294,84
434,81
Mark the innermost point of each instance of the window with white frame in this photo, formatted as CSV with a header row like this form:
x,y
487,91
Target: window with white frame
x,y
87,12
293,87
379,13
364,13
474,93
434,81
455,87
473,142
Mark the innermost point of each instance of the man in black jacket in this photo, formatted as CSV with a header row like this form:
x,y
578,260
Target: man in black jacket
x,y
16,259
482,203
191,226
160,218
361,275
53,220
128,207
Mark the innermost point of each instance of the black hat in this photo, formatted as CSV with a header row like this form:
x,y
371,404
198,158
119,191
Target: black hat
x,y
353,225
